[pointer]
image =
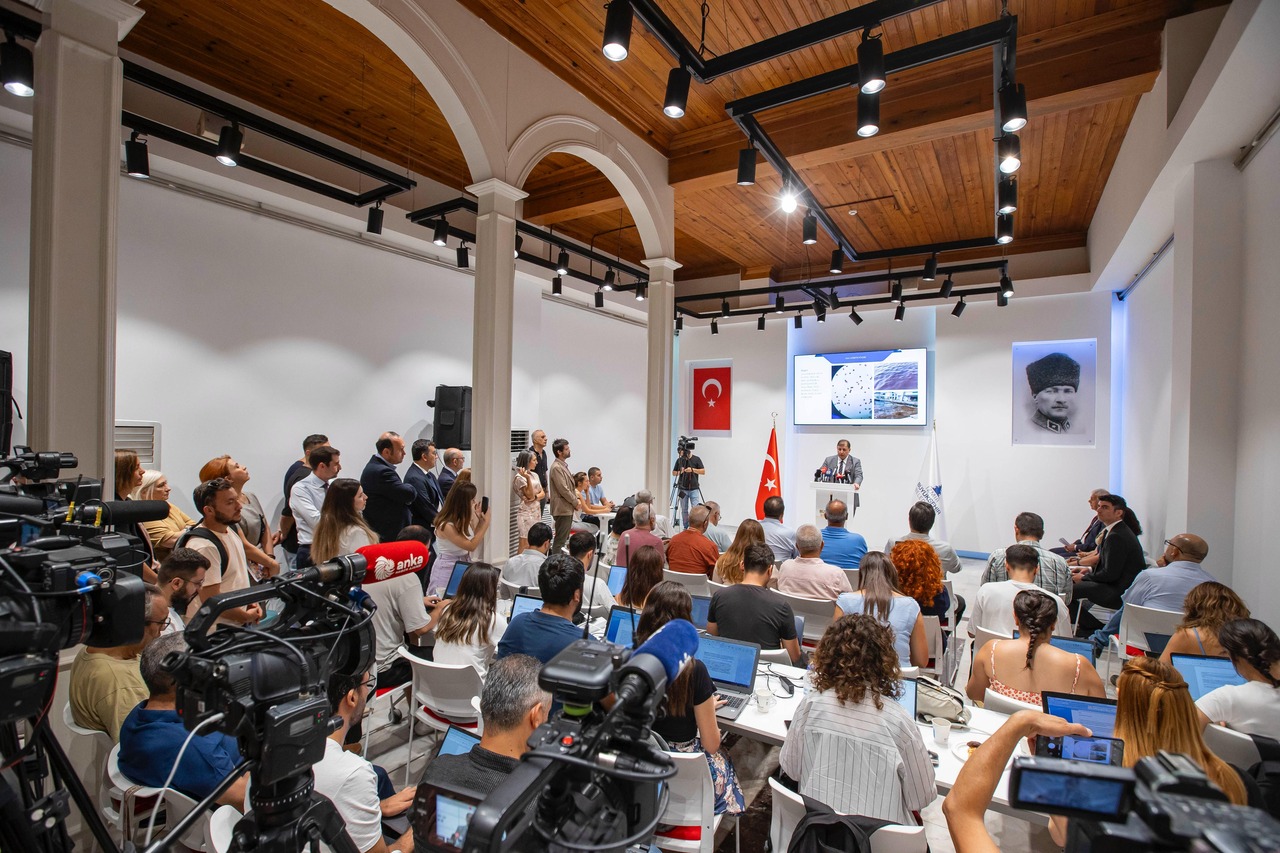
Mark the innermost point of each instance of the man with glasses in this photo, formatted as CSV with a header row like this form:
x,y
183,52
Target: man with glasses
x,y
181,576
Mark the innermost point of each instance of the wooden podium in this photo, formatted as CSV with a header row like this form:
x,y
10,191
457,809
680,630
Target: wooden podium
x,y
824,492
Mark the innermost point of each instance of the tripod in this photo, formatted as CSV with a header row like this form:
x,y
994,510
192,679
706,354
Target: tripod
x,y
288,817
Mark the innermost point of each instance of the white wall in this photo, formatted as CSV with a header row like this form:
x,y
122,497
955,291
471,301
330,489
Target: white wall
x,y
15,243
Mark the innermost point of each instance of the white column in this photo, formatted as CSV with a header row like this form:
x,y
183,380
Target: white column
x,y
75,164
658,448
491,355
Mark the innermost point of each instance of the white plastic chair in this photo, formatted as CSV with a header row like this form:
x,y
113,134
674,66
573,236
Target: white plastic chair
x,y
715,586
691,804
993,701
219,829
788,810
780,656
938,653
133,803
817,613
1135,623
94,774
441,697
508,590
852,575
908,672
382,699
981,636
1232,746
696,584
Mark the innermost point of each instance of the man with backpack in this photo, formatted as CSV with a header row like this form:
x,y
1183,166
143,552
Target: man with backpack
x,y
212,537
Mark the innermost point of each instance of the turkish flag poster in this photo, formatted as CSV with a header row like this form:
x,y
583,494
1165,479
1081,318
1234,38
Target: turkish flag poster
x,y
711,398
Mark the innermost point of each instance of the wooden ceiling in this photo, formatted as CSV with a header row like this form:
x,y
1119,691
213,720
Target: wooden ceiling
x,y
927,177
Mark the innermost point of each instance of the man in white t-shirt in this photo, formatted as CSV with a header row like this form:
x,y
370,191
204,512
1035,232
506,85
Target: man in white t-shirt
x,y
219,506
596,598
993,607
402,610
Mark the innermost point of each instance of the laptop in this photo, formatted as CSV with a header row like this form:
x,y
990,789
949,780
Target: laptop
x,y
701,608
1098,715
524,604
800,629
622,625
732,666
908,698
459,569
457,741
617,577
1084,648
1204,674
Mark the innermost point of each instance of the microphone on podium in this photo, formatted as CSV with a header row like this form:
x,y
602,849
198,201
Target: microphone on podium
x,y
820,474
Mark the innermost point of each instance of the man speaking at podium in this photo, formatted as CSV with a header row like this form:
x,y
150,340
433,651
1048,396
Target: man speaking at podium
x,y
843,468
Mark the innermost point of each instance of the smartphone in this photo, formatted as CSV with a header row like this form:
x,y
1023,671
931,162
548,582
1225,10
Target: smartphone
x,y
484,504
1096,750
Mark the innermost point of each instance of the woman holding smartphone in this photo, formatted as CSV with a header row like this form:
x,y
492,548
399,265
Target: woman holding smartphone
x,y
460,528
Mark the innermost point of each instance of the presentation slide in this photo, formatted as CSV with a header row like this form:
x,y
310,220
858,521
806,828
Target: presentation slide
x,y
884,387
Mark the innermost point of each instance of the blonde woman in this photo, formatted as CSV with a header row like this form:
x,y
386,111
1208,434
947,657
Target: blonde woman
x,y
164,533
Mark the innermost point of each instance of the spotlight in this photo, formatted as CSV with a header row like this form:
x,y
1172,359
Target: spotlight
x,y
229,141
1006,285
642,290
834,300
1002,300
870,64
617,30
599,298
1013,107
562,263
1009,153
609,278
17,68
441,235
946,287
557,286
760,323
1007,195
899,313
519,244
868,114
930,268
821,312
724,307
779,304
1004,228
464,257
837,261
788,202
855,316
679,324
895,292
747,166
138,165
715,328
677,92
810,228
959,309
799,321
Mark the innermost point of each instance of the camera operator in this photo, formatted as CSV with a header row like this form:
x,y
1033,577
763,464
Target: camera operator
x,y
686,470
966,805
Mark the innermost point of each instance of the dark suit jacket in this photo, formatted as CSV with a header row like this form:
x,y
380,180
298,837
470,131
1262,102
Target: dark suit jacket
x,y
445,481
541,468
427,503
1120,558
1089,541
852,470
389,497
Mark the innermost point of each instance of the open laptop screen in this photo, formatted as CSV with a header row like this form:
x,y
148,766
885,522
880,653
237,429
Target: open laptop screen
x,y
524,604
701,608
621,627
455,578
908,698
1084,648
1097,715
617,577
729,661
1204,674
457,742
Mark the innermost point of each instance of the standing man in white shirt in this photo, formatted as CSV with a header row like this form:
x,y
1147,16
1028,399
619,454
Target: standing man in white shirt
x,y
308,496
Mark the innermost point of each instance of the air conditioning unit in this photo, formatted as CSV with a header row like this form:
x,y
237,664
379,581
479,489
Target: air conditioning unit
x,y
143,438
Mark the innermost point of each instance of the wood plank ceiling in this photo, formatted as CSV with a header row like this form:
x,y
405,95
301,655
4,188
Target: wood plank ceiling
x,y
927,177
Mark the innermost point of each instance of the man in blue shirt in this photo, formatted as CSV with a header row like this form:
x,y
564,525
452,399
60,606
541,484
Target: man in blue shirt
x,y
544,633
153,734
841,547
595,488
780,538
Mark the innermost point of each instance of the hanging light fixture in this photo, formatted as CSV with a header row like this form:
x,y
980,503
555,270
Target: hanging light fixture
x,y
760,323
788,202
870,63
1013,107
17,68
1007,195
229,141
562,263
868,114
724,307
959,309
599,298
899,313
677,99
679,324
464,257
821,311
810,229
747,166
519,245
946,287
855,316
1009,153
799,321
557,286
138,164
1006,285
617,30
642,291
837,262
1004,228
779,304
833,301
1002,300
895,292
930,268
715,328
441,234
609,278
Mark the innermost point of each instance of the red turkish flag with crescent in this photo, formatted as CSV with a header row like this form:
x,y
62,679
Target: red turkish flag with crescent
x,y
712,388
770,475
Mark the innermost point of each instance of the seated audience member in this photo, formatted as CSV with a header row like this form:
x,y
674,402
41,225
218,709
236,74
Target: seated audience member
x,y
687,719
1206,609
1252,707
586,517
418,533
1080,563
749,611
718,536
129,476
780,538
920,518
361,795
660,524
843,548
253,527
1054,574
106,683
164,533
690,551
1120,559
644,573
342,527
402,612
596,598
879,596
808,575
1088,540
153,734
993,608
219,506
850,723
639,536
729,565
512,706
458,533
920,575
595,490
623,521
1024,668
522,569
181,576
545,632
469,626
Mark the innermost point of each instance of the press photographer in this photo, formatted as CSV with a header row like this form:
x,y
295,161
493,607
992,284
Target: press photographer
x,y
686,470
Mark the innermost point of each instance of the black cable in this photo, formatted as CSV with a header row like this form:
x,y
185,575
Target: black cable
x,y
640,835
629,775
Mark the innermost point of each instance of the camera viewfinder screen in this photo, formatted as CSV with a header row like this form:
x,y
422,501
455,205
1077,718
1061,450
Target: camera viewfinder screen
x,y
452,817
1103,797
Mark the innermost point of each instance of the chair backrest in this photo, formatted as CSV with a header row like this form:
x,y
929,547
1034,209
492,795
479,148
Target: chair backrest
x,y
899,839
909,671
715,586
1138,621
781,656
981,636
445,689
788,810
133,816
993,701
218,831
696,584
690,804
933,632
507,589
817,613
1231,746
99,745
951,598
852,575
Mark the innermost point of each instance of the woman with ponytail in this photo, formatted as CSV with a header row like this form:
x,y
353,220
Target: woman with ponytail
x,y
1252,707
1029,665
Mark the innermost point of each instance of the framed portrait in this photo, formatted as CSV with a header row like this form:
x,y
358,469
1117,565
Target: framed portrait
x,y
1055,392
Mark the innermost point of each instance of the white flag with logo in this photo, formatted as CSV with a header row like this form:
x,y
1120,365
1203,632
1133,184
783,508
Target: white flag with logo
x,y
929,486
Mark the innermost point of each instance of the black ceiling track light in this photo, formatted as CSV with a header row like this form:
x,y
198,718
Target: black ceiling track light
x,y
440,233
464,257
230,140
747,166
837,262
17,67
677,99
137,163
374,223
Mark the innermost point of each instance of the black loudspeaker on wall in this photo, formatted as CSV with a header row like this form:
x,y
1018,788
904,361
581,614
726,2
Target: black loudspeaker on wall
x,y
452,424
6,402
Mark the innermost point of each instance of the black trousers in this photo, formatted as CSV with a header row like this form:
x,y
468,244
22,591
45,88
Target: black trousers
x,y
1105,594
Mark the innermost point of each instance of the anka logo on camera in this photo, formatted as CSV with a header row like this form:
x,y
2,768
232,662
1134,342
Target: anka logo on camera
x,y
385,567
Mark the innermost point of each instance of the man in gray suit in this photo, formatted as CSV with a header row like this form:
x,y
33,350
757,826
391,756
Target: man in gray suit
x,y
843,468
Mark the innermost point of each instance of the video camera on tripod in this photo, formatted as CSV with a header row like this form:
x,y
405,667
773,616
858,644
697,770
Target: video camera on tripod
x,y
597,779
